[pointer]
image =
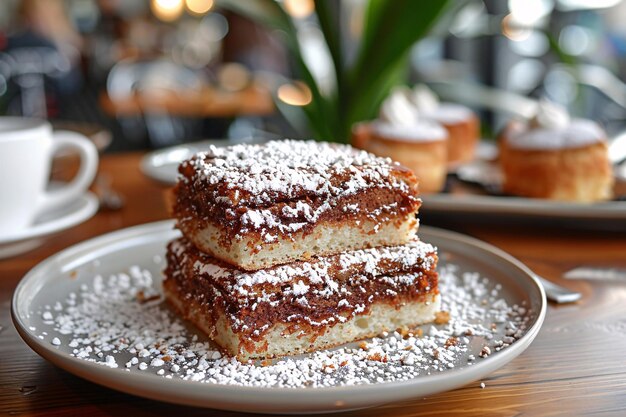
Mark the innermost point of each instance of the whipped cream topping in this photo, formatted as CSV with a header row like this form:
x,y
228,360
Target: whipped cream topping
x,y
424,99
550,115
579,133
398,109
552,128
425,131
428,105
399,118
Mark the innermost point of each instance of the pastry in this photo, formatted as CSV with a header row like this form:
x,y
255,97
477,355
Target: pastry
x,y
461,122
402,135
555,157
305,305
255,206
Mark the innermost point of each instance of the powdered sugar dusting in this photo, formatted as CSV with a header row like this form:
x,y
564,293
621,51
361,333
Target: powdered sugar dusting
x,y
122,322
287,169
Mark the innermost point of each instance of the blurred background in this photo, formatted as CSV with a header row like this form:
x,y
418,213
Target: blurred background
x,y
140,74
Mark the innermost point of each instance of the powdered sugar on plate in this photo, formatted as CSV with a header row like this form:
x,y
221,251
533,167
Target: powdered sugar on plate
x,y
121,321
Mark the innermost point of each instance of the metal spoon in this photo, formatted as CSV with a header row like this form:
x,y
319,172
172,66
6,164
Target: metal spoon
x,y
558,294
110,199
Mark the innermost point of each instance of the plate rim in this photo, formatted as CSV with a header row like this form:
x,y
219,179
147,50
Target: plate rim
x,y
88,208
133,383
526,207
148,167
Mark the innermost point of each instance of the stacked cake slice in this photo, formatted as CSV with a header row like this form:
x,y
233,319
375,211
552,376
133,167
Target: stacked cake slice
x,y
292,246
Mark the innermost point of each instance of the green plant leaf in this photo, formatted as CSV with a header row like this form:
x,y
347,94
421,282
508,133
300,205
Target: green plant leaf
x,y
391,28
329,18
265,12
563,56
370,98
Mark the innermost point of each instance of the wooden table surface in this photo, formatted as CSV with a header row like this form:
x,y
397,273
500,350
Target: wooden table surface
x,y
576,366
207,102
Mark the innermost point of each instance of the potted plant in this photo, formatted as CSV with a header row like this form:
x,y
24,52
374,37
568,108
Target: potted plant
x,y
390,28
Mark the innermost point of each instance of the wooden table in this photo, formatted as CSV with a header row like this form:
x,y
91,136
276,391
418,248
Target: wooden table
x,y
576,366
254,100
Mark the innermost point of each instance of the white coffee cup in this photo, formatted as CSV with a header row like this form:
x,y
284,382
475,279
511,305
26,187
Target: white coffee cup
x,y
27,147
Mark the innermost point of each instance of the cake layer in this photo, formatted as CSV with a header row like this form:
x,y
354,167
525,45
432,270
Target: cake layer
x,y
279,340
253,250
298,307
428,160
244,203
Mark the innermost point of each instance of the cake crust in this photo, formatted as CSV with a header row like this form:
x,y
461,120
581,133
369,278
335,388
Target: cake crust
x,y
277,341
250,252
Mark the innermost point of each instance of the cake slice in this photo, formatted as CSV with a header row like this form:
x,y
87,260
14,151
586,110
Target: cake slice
x,y
303,306
255,206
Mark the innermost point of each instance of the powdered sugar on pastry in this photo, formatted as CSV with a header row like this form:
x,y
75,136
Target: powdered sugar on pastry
x,y
552,128
579,133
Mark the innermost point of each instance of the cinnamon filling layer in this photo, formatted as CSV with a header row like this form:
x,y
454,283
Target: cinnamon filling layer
x,y
303,295
194,208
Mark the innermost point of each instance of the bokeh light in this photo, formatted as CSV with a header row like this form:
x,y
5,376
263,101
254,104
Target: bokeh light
x,y
529,12
299,9
296,94
535,45
167,10
513,31
586,4
575,40
199,7
233,77
525,75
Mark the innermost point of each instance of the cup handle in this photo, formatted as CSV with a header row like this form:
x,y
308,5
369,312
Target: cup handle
x,y
88,168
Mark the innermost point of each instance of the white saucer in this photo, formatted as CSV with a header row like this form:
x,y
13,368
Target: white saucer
x,y
162,165
54,221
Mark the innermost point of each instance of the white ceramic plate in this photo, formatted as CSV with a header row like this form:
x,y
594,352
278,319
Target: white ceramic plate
x,y
66,271
162,165
487,175
54,221
611,214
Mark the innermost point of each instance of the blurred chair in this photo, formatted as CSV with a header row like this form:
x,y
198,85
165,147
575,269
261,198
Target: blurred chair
x,y
146,89
29,68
